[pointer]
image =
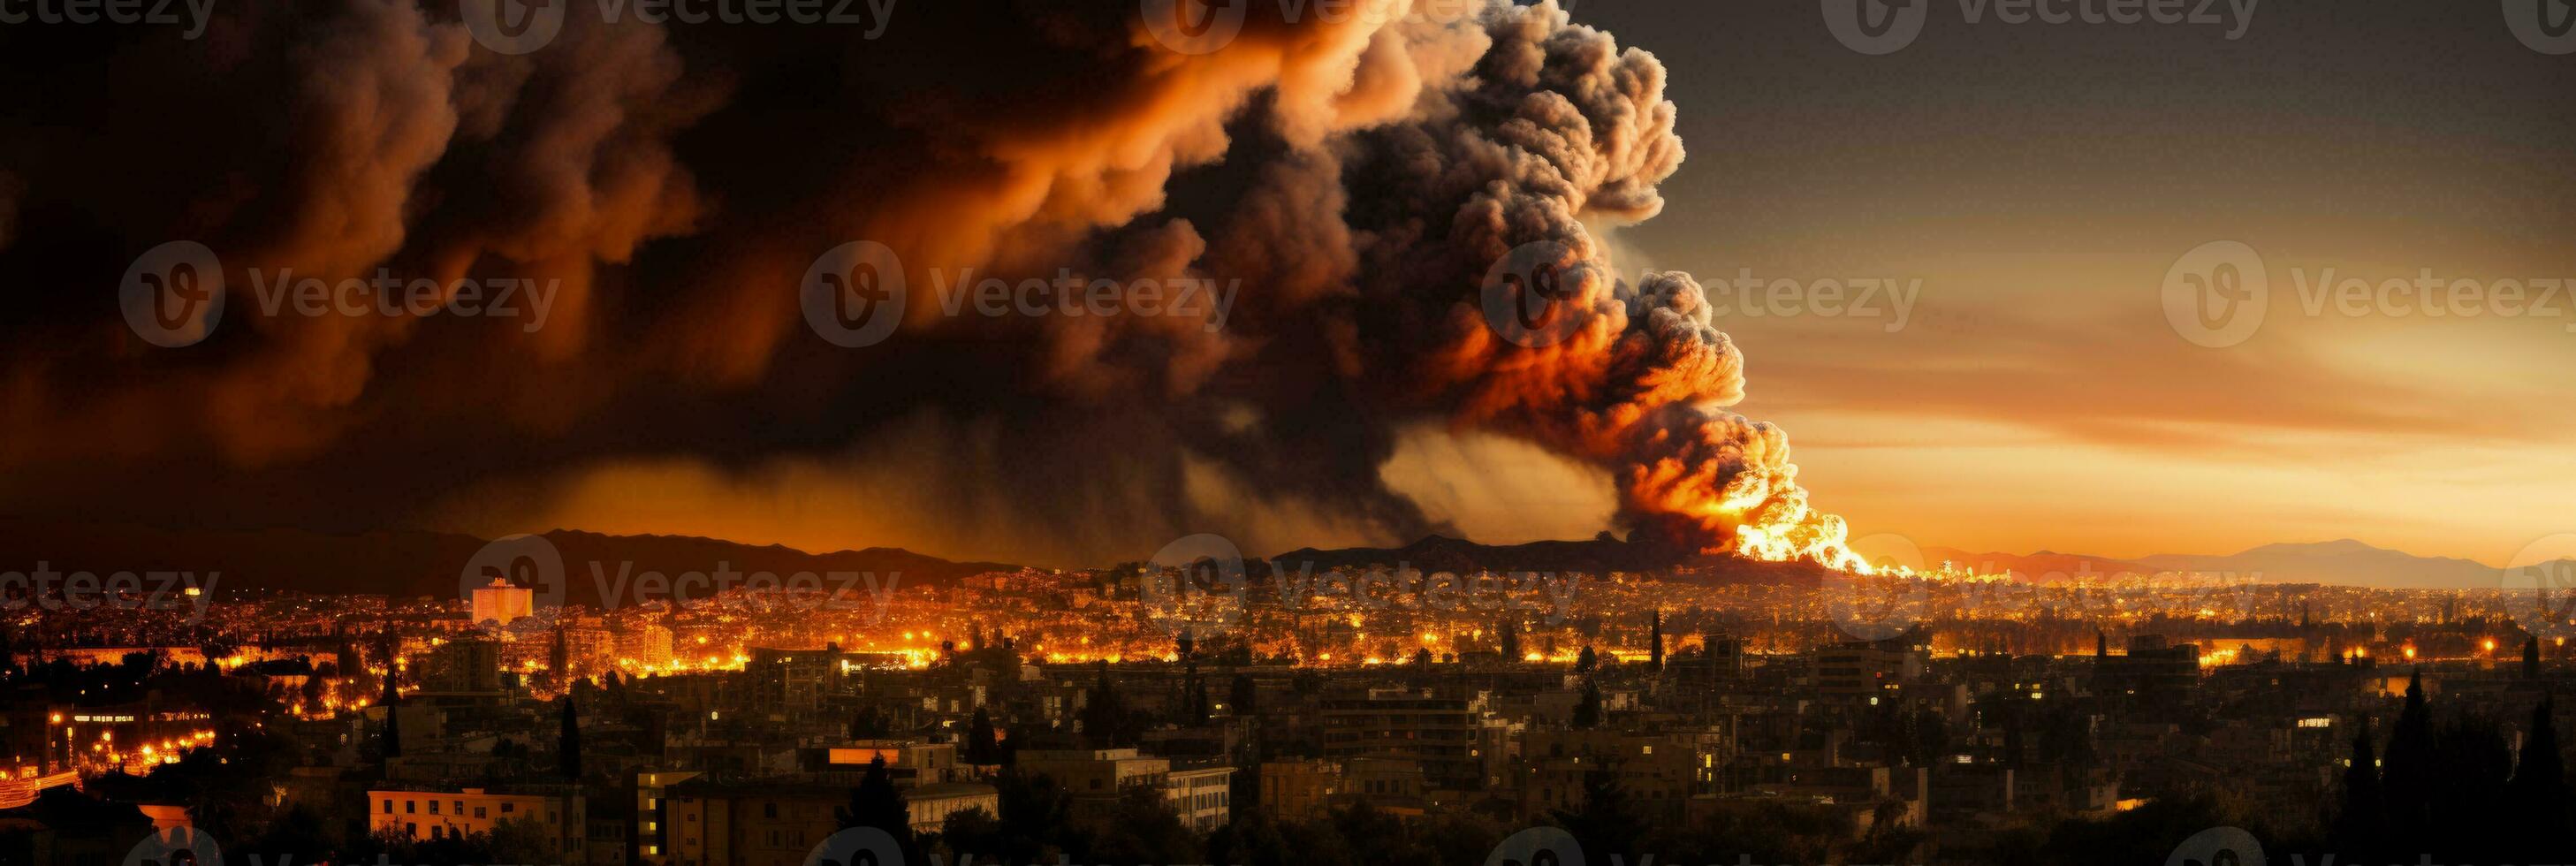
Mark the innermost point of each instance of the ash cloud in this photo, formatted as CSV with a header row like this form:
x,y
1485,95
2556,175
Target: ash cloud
x,y
1358,176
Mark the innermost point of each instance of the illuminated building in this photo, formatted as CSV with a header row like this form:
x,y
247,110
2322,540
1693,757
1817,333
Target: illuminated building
x,y
428,815
500,602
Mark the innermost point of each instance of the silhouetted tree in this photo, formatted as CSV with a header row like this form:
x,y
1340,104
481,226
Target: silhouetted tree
x,y
1605,824
1655,657
2531,658
393,711
1104,716
1587,709
568,750
981,745
2539,787
2406,776
1246,696
1585,661
876,803
2357,826
869,724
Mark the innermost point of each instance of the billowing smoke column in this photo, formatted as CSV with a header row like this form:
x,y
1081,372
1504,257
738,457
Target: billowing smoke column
x,y
1357,175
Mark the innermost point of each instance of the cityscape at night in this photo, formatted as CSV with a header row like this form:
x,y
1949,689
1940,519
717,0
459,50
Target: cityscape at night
x,y
1287,433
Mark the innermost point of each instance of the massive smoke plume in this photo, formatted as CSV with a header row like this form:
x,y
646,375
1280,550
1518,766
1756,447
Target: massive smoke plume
x,y
1357,175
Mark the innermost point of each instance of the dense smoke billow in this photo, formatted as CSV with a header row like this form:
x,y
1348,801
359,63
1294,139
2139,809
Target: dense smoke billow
x,y
1354,178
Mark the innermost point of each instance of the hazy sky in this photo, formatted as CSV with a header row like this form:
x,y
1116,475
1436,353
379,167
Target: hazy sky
x,y
2040,181
1995,277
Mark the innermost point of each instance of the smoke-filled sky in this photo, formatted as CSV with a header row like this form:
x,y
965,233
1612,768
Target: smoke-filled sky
x,y
1942,273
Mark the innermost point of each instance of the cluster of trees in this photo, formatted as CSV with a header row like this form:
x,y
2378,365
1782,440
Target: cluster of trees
x,y
1036,824
2455,790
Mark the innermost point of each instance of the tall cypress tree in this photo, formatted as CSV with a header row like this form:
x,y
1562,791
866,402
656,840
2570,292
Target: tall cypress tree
x,y
2539,788
1655,657
1246,696
568,746
2531,658
2407,778
393,712
981,745
1103,716
2357,826
876,803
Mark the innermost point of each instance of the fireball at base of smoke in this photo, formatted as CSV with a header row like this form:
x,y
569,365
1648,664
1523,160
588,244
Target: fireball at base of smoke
x,y
1359,176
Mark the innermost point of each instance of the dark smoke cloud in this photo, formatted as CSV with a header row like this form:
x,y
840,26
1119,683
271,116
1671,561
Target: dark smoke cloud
x,y
1357,176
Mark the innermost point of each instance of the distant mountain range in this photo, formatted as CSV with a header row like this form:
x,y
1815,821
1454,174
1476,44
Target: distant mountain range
x,y
2343,563
406,563
414,563
1599,555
